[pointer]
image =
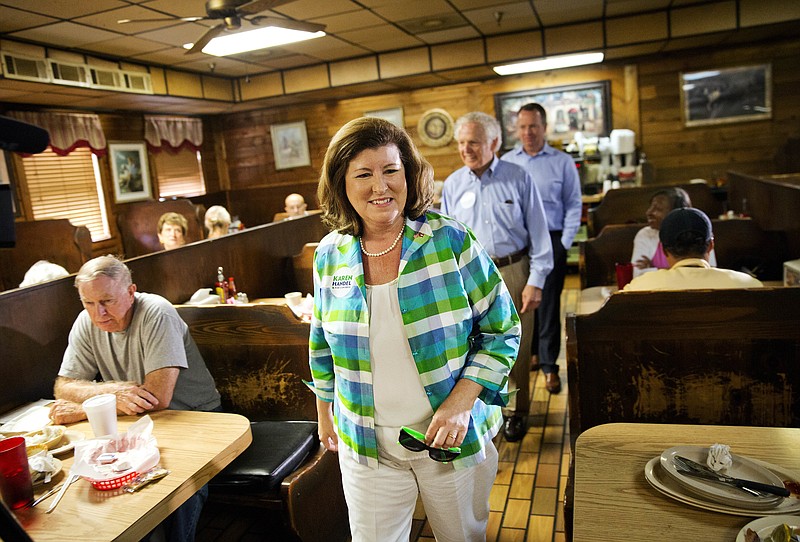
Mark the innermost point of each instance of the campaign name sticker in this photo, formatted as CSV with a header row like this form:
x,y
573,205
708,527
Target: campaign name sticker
x,y
342,282
467,200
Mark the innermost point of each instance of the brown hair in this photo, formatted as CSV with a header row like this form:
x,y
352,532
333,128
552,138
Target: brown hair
x,y
354,137
175,219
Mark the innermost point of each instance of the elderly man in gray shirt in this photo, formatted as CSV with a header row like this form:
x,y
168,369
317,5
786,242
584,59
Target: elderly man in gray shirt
x,y
143,354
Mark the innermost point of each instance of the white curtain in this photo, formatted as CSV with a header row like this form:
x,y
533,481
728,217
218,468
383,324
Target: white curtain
x,y
173,132
68,131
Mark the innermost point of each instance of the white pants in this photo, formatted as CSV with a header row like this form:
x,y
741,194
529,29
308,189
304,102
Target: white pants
x,y
381,501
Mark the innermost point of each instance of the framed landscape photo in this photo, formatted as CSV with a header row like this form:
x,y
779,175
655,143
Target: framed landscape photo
x,y
130,171
290,145
584,108
394,115
726,95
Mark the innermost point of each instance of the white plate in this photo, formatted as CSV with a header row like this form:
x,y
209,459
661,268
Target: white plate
x,y
666,484
32,419
71,436
724,494
764,526
58,465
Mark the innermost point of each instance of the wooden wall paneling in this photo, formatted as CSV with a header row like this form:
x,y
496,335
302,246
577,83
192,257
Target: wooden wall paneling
x,y
255,206
679,153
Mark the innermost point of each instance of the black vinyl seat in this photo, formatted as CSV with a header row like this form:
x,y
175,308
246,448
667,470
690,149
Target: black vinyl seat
x,y
278,448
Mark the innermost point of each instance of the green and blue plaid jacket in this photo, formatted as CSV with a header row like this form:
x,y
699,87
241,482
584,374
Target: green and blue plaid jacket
x,y
458,316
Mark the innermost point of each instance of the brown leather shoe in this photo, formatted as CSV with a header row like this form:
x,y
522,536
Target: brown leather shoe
x,y
534,362
552,382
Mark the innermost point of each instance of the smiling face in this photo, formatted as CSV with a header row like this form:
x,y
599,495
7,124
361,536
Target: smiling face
x,y
109,302
531,131
171,236
474,147
660,207
375,184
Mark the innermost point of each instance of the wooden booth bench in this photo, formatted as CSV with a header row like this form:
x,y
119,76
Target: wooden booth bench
x,y
739,244
716,357
629,205
258,356
35,321
138,224
57,241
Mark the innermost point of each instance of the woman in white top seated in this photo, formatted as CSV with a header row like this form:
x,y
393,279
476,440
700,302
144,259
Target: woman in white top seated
x,y
648,254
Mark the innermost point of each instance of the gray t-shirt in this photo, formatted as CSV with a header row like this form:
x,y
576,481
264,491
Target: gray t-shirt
x,y
156,338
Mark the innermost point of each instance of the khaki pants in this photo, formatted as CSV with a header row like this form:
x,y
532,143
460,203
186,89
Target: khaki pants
x,y
516,278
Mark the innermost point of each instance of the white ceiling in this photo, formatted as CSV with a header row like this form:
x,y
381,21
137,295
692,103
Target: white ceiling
x,y
355,28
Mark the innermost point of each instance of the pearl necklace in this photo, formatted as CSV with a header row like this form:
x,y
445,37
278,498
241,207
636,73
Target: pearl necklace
x,y
382,252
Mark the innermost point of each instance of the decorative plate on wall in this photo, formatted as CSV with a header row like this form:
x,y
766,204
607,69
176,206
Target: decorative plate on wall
x,y
435,128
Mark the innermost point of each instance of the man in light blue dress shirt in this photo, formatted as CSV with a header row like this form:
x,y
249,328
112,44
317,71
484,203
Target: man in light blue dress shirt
x,y
500,203
557,180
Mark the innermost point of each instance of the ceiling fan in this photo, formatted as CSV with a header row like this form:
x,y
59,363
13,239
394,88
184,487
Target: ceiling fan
x,y
232,13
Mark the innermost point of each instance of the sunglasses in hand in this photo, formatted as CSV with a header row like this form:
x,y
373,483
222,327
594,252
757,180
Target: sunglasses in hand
x,y
415,441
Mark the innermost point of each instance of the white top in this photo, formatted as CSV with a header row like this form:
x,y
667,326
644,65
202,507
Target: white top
x,y
397,390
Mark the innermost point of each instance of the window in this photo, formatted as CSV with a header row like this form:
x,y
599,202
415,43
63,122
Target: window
x,y
67,187
179,174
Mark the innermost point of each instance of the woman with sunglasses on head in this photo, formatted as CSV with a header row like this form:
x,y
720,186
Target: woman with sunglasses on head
x,y
412,326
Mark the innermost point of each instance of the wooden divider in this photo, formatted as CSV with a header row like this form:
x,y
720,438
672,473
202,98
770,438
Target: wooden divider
x,y
35,321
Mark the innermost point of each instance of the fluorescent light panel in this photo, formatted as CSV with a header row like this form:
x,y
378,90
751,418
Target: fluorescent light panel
x,y
261,38
549,63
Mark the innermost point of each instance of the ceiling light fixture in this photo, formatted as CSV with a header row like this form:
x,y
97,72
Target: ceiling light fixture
x,y
261,38
549,63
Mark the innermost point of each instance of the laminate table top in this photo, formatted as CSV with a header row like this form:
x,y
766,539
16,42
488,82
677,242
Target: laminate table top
x,y
194,446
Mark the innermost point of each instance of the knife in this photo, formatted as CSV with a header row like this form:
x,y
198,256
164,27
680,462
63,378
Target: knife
x,y
692,468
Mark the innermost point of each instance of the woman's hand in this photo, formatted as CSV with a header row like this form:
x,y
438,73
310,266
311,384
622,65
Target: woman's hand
x,y
451,420
325,428
643,263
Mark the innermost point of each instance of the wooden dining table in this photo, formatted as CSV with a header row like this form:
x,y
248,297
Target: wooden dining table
x,y
614,501
194,446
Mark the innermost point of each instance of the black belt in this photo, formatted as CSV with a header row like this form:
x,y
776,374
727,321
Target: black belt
x,y
512,258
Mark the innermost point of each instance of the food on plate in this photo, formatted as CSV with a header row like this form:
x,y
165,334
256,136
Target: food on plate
x,y
719,457
50,436
793,487
781,533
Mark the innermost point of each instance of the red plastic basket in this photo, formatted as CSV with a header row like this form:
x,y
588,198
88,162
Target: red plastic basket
x,y
114,483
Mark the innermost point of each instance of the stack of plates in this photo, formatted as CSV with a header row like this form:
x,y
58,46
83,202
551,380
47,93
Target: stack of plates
x,y
661,473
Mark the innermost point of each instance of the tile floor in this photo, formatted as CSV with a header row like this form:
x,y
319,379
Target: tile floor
x,y
526,499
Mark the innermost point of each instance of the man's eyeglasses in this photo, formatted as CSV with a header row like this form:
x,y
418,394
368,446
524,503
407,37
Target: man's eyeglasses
x,y
415,441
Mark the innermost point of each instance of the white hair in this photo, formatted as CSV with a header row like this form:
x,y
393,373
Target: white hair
x,y
42,271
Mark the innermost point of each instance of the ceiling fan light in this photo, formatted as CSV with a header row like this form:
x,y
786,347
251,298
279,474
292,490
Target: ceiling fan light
x,y
260,38
549,63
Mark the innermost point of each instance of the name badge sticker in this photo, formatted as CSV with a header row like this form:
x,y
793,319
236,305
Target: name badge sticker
x,y
467,200
342,282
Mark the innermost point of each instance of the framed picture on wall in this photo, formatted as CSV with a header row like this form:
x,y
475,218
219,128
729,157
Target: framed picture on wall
x,y
726,95
394,115
290,145
584,108
130,171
